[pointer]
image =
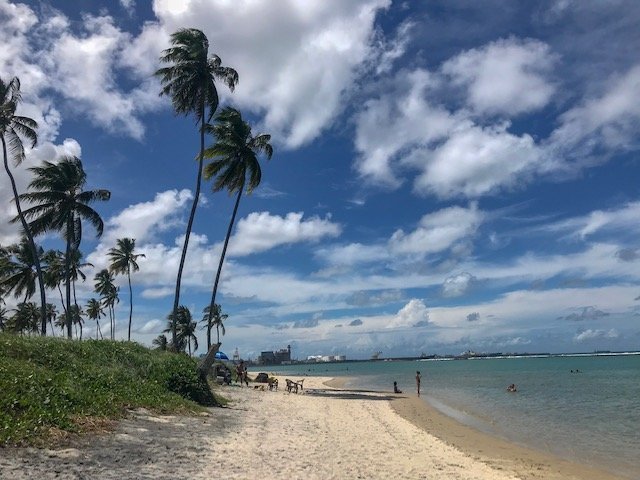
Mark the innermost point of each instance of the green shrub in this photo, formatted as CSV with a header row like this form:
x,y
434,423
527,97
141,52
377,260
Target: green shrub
x,y
49,382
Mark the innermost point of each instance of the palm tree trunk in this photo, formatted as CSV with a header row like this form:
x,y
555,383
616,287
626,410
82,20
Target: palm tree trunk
x,y
130,302
67,277
224,251
32,244
176,300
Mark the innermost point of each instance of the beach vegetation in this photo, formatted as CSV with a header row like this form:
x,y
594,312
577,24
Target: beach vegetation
x,y
59,203
185,327
214,319
190,81
13,129
105,287
50,385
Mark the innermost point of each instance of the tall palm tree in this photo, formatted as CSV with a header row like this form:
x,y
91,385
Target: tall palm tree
x,y
12,129
214,319
18,272
95,312
122,261
25,318
185,329
60,204
234,166
190,81
108,292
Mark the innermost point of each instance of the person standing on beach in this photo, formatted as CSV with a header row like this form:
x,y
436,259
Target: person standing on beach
x,y
418,378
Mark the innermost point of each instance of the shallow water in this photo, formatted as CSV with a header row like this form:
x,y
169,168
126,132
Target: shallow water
x,y
592,417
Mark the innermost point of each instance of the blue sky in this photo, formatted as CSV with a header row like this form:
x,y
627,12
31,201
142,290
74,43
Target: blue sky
x,y
447,175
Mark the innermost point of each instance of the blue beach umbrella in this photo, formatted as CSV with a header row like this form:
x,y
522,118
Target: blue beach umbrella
x,y
221,356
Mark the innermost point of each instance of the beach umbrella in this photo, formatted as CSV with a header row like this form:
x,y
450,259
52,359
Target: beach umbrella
x,y
221,356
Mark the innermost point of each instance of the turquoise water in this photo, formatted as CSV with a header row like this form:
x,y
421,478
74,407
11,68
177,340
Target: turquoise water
x,y
591,417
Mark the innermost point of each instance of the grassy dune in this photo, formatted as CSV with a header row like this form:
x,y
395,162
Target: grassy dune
x,y
49,384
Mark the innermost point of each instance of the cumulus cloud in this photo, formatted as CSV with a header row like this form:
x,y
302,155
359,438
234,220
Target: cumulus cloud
x,y
413,313
438,231
476,161
587,313
261,231
402,120
355,323
457,285
508,76
595,334
298,77
353,254
310,323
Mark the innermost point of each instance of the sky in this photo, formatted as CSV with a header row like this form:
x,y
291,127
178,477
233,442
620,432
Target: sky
x,y
447,175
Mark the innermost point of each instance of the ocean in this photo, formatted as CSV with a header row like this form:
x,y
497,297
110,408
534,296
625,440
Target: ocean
x,y
582,408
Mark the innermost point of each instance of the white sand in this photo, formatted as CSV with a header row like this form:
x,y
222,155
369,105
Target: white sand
x,y
317,434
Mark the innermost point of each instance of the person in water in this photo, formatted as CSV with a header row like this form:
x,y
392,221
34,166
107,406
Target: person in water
x,y
418,378
512,388
395,388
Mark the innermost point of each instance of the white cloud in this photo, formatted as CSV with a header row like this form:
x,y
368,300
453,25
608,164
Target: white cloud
x,y
152,326
401,119
605,122
353,254
261,231
457,285
508,76
296,61
438,231
414,312
476,161
595,334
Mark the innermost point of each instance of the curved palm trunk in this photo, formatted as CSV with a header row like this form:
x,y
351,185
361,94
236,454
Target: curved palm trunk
x,y
224,252
183,257
67,278
32,244
130,301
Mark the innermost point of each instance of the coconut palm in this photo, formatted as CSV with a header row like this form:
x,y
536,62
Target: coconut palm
x,y
160,342
52,313
3,319
95,312
190,81
25,318
122,261
13,128
60,204
234,166
214,319
108,292
18,273
185,329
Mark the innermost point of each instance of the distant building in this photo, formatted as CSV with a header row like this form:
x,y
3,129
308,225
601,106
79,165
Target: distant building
x,y
282,356
326,358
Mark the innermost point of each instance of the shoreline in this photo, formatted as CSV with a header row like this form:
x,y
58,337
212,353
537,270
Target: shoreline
x,y
326,431
523,461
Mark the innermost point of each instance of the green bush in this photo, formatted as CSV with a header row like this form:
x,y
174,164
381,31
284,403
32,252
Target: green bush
x,y
49,382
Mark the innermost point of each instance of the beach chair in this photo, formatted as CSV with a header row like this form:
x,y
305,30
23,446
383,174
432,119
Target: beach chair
x,y
291,386
273,383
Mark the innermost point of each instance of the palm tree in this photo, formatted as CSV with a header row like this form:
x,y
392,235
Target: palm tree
x,y
52,313
94,312
185,329
3,319
108,292
235,157
60,204
190,81
160,342
122,261
18,270
215,319
12,129
25,318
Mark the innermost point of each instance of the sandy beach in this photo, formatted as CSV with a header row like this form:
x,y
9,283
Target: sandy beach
x,y
321,433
